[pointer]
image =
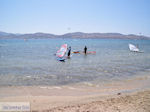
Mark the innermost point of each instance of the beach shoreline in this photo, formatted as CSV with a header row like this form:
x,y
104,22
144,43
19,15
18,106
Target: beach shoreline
x,y
119,102
87,97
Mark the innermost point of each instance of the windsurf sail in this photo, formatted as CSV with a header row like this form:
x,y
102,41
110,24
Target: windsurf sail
x,y
61,52
133,48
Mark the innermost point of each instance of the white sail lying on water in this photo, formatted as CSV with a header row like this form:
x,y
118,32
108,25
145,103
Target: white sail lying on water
x,y
133,48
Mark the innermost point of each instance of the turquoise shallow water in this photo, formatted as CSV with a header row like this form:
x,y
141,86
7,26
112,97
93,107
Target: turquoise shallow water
x,y
33,62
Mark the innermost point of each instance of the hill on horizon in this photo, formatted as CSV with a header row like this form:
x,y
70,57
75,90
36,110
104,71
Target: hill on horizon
x,y
72,35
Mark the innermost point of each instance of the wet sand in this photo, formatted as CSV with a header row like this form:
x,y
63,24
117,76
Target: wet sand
x,y
127,96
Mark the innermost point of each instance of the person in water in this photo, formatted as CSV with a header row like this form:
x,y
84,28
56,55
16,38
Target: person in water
x,y
69,51
85,49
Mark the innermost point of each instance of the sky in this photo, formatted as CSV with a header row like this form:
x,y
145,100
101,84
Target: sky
x,y
65,16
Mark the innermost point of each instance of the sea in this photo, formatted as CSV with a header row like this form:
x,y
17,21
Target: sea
x,y
33,62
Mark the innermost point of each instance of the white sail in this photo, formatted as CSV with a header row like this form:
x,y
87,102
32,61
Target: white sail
x,y
133,48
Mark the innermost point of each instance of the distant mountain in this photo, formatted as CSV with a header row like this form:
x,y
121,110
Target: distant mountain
x,y
73,35
4,34
38,35
103,35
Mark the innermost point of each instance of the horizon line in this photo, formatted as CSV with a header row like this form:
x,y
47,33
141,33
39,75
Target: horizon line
x,y
140,34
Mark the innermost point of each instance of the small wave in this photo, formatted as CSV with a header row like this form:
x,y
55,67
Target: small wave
x,y
88,84
71,88
44,87
56,87
28,76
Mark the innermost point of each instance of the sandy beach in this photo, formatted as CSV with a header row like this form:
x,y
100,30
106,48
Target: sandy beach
x,y
126,96
138,102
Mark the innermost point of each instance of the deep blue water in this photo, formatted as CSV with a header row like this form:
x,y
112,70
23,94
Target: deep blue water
x,y
33,62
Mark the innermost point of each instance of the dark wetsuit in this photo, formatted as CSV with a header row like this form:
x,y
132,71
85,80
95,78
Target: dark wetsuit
x,y
85,49
69,51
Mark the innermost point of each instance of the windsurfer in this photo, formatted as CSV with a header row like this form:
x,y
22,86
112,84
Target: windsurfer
x,y
85,49
69,51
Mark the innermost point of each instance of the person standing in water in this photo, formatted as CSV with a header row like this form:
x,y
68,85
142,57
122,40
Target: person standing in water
x,y
69,51
85,49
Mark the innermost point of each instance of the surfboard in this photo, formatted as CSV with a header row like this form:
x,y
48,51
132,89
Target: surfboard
x,y
91,52
61,59
76,52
